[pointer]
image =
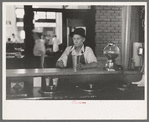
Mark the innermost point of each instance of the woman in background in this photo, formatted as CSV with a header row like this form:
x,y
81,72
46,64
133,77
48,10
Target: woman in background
x,y
39,47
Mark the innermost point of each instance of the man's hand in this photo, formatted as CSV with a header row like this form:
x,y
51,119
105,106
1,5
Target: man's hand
x,y
80,66
60,64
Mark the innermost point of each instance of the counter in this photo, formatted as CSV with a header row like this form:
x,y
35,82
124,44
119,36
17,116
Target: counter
x,y
70,78
93,74
56,72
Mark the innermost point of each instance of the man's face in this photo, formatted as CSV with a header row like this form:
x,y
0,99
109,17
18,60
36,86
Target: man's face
x,y
78,40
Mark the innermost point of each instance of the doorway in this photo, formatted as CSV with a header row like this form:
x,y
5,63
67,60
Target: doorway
x,y
72,24
79,19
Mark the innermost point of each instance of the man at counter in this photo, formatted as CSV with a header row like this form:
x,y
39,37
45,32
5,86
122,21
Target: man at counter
x,y
85,54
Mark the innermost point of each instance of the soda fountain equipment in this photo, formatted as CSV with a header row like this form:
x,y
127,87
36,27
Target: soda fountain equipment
x,y
111,51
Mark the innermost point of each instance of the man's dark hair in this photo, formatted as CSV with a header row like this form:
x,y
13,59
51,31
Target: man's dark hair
x,y
9,39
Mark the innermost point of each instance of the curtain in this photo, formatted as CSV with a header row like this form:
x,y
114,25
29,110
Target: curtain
x,y
130,34
126,20
59,26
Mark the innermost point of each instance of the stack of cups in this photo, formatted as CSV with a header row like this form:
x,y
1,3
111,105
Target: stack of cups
x,y
47,79
54,82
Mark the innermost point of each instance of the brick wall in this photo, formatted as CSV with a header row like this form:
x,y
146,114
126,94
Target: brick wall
x,y
107,28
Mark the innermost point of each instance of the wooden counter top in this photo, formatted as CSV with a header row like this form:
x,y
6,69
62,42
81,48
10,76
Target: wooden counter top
x,y
56,72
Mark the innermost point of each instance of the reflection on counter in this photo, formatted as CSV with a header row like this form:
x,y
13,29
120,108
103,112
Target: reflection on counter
x,y
69,91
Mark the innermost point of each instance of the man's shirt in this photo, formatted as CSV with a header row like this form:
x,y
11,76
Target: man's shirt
x,y
88,54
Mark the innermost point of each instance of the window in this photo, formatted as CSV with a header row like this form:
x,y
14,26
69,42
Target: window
x,y
63,6
51,15
19,13
44,19
40,15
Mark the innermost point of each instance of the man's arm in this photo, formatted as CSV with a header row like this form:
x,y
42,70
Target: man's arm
x,y
61,62
87,66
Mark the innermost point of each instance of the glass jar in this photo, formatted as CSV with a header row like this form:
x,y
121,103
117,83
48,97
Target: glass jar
x,y
111,51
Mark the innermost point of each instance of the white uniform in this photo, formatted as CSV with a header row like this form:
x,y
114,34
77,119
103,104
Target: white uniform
x,y
56,43
39,47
